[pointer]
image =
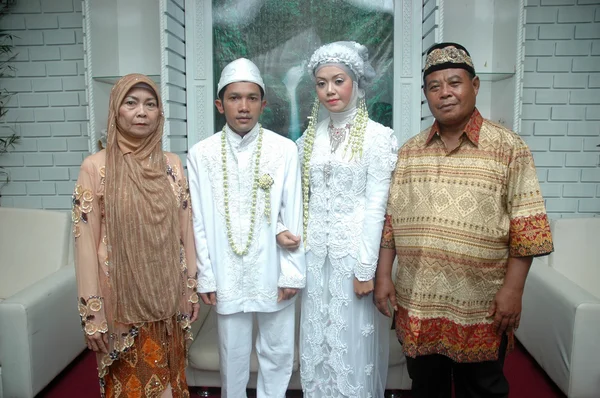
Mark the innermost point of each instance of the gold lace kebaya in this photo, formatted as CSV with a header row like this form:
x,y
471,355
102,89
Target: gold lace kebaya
x,y
81,206
255,185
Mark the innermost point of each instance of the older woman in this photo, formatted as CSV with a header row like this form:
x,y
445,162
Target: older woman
x,y
135,255
347,165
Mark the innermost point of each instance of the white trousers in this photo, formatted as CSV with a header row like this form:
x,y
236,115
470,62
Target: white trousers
x,y
274,348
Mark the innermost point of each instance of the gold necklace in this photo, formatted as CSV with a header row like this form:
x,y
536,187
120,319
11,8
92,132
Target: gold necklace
x,y
255,185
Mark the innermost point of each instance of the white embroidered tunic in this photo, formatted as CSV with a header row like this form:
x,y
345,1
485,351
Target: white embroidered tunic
x,y
344,338
246,283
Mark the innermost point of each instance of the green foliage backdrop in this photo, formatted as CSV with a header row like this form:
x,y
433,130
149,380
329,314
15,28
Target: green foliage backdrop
x,y
279,35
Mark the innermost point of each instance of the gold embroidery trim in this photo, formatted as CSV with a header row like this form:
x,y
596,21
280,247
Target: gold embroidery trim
x,y
194,298
192,283
448,54
88,311
82,206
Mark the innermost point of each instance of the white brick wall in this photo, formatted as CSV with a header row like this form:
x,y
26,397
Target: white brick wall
x,y
48,108
561,103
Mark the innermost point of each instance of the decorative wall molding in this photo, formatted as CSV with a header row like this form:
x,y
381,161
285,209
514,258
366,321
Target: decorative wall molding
x,y
199,78
440,28
407,48
408,31
87,58
519,67
200,111
406,111
164,72
200,51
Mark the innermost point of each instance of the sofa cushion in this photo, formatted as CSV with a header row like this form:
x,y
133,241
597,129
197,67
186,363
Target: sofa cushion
x,y
577,252
34,244
396,354
204,352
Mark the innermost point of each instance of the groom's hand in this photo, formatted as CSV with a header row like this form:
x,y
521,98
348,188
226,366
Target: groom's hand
x,y
288,240
209,298
286,293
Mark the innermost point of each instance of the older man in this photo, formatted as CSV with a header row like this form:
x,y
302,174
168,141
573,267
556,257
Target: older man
x,y
465,217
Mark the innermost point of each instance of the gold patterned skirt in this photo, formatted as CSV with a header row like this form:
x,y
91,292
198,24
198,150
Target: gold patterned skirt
x,y
156,360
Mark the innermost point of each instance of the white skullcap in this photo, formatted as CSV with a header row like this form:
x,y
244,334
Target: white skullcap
x,y
349,53
240,70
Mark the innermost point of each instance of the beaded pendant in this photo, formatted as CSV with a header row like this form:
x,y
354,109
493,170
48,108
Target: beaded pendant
x,y
337,135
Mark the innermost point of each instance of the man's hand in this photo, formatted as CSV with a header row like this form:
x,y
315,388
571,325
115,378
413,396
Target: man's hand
x,y
362,289
209,298
506,309
97,342
286,293
384,292
288,240
195,311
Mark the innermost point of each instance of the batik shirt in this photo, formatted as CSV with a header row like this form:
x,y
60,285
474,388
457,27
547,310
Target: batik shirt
x,y
454,218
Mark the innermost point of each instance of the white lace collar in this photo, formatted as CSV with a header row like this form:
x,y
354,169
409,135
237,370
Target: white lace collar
x,y
236,142
346,116
340,119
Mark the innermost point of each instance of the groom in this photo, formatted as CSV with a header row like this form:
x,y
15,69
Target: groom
x,y
244,179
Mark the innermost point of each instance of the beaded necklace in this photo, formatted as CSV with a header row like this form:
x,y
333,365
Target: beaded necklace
x,y
255,185
337,135
355,143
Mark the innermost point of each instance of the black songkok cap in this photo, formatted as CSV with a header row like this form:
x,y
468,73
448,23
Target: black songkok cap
x,y
447,56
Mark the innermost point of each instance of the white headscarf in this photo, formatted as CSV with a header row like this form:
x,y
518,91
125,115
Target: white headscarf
x,y
352,55
352,58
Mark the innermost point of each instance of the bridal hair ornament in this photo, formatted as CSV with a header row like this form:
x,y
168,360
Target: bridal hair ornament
x,y
355,57
349,53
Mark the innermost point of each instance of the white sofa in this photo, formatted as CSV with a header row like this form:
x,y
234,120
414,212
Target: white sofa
x,y
203,359
40,330
560,322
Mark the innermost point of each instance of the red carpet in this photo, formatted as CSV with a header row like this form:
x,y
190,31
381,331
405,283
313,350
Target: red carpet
x,y
526,379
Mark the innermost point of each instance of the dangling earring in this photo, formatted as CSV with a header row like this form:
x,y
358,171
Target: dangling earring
x,y
314,113
357,134
309,140
362,107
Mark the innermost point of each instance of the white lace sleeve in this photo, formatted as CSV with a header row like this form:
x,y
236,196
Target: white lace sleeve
x,y
300,144
280,226
206,277
293,267
381,163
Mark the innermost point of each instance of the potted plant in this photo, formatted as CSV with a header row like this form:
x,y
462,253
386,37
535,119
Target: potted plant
x,y
7,142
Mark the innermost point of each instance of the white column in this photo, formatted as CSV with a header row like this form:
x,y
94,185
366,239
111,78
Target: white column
x,y
407,68
199,66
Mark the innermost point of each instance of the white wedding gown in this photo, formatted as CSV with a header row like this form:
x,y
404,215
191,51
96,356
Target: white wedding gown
x,y
344,339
